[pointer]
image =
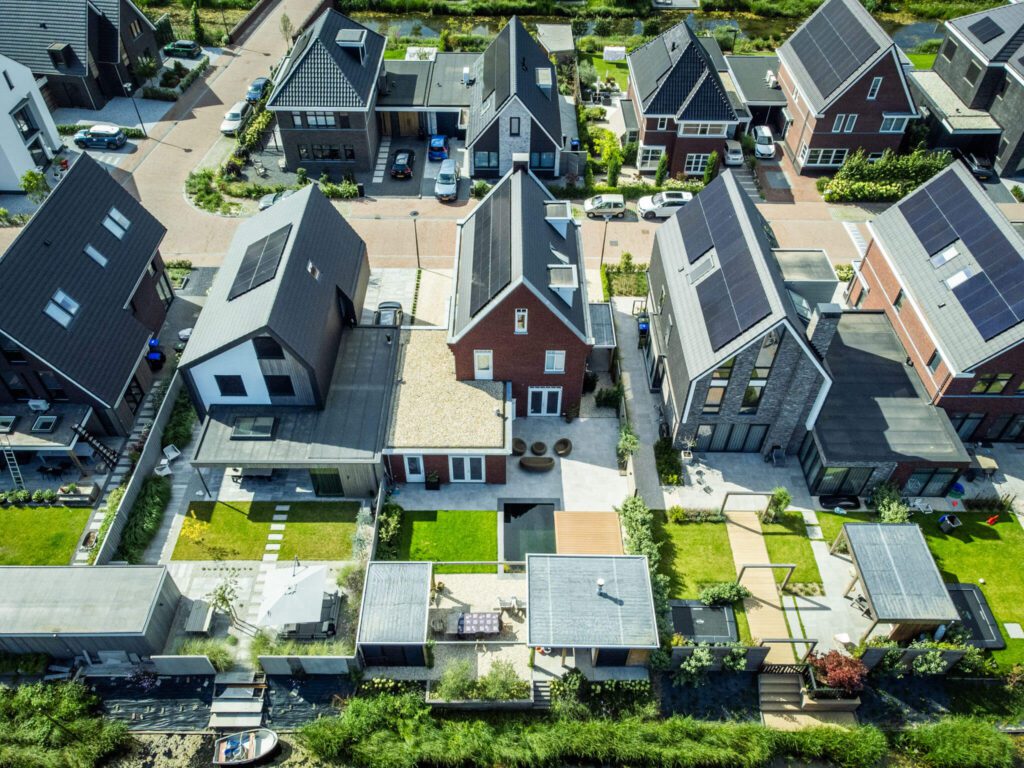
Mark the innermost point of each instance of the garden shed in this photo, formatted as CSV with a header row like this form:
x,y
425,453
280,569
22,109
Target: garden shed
x,y
897,578
393,619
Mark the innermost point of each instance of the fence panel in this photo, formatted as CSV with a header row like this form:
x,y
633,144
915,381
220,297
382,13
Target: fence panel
x,y
310,665
183,665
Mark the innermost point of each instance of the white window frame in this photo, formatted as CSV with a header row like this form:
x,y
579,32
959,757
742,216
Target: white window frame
x,y
804,149
815,157
93,253
703,129
695,163
554,361
61,308
483,373
851,122
544,401
644,161
522,321
411,477
894,124
876,86
662,124
837,124
467,469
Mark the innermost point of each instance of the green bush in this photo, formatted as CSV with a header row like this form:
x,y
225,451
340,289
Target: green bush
x,y
724,593
777,504
844,272
662,171
203,187
638,524
958,742
669,462
113,502
928,664
628,444
159,94
888,179
500,683
1017,193
480,189
609,397
178,431
218,651
144,519
711,169
388,528
252,137
680,516
23,663
71,130
694,668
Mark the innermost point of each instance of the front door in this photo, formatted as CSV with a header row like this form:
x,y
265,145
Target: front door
x,y
414,469
467,469
545,401
326,481
483,365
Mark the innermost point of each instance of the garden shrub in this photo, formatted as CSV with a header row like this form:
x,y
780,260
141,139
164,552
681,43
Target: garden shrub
x,y
736,659
888,502
388,528
844,272
252,137
662,171
929,663
1017,193
837,670
178,430
777,504
609,397
958,742
638,524
680,515
694,668
669,462
723,593
594,114
888,179
500,683
144,519
160,94
576,697
480,189
628,444
203,187
113,502
23,663
217,651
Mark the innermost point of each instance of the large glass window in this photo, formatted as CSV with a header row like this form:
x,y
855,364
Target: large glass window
x,y
752,397
991,383
483,159
930,482
24,122
230,386
704,129
695,163
649,158
542,159
320,120
735,438
966,423
713,402
766,355
829,157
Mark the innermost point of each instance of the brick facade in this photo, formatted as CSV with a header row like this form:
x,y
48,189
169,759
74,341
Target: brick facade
x,y
362,136
519,358
494,467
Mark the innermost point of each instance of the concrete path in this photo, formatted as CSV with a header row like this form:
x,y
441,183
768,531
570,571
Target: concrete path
x,y
764,608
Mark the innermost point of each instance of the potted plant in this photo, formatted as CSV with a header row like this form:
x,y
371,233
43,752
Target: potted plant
x,y
433,481
688,444
571,413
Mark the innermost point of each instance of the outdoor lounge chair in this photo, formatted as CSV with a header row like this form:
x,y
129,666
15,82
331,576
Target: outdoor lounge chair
x,y
539,448
563,447
518,446
537,463
163,469
171,452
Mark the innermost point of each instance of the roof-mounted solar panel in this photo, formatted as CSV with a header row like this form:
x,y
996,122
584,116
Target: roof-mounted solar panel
x,y
260,262
985,29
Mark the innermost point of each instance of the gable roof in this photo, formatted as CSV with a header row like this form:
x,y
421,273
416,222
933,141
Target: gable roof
x,y
321,74
102,345
507,241
292,305
509,68
832,49
674,75
28,29
964,212
997,33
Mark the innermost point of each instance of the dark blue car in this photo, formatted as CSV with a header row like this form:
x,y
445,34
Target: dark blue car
x,y
105,136
257,90
438,149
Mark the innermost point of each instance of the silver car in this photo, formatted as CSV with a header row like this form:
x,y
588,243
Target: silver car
x,y
234,118
447,185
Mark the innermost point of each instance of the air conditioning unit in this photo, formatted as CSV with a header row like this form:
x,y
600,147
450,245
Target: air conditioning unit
x,y
768,75
40,406
773,81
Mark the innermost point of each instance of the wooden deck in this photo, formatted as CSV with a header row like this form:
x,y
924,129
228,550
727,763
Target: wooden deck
x,y
588,533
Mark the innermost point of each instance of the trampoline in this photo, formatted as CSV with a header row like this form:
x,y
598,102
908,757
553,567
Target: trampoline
x,y
976,616
703,623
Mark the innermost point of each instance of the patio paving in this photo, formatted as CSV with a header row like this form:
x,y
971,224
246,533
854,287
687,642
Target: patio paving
x,y
479,593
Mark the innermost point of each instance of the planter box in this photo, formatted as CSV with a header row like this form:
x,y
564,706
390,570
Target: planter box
x,y
433,485
830,705
85,496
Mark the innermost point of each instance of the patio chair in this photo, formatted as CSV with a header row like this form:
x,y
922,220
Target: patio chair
x,y
563,447
171,452
163,469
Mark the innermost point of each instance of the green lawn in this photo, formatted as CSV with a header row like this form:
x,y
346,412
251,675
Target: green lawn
x,y
40,535
450,535
238,531
616,69
922,60
787,542
832,523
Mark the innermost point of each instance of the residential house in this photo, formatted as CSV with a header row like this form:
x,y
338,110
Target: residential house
x,y
683,108
85,50
947,268
85,292
280,373
756,80
974,95
28,136
846,87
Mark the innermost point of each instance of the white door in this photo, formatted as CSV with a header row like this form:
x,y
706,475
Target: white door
x,y
545,401
414,469
467,469
483,365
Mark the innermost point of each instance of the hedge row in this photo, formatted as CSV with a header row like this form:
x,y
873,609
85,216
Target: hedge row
x,y
144,519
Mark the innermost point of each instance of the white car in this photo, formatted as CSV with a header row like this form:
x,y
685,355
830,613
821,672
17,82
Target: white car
x,y
234,118
733,153
764,142
663,204
447,185
605,205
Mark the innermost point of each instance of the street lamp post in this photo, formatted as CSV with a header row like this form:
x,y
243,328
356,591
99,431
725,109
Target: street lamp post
x,y
131,95
604,240
416,236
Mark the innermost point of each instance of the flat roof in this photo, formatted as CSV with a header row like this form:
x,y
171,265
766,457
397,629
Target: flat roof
x,y
556,38
748,74
601,325
65,600
349,428
805,265
898,573
877,409
396,600
61,437
407,83
950,108
432,409
565,609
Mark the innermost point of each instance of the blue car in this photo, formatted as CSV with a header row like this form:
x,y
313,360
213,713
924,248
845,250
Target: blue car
x,y
438,149
105,136
257,90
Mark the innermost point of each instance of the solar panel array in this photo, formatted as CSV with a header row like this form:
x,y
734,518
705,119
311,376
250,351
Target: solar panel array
x,y
946,211
832,45
732,299
492,248
985,29
260,262
694,226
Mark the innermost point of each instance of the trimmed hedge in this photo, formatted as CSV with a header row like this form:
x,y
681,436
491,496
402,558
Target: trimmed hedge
x,y
71,130
638,523
144,519
886,180
178,431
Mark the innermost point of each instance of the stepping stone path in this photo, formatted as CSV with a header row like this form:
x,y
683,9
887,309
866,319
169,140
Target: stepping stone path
x,y
270,556
811,524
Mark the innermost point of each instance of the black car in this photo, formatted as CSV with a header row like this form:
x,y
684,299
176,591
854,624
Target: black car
x,y
401,166
979,166
183,49
835,500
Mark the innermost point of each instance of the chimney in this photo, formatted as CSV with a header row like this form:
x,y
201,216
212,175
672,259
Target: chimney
x,y
600,586
520,161
822,327
466,79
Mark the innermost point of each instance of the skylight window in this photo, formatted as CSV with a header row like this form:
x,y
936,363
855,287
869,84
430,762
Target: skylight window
x,y
944,256
61,308
116,223
95,255
959,278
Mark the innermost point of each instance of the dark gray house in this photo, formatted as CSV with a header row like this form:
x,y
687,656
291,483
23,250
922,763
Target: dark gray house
x,y
84,292
974,96
85,49
277,368
732,346
326,97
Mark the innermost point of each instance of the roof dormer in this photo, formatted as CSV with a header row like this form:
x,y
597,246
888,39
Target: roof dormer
x,y
354,41
558,213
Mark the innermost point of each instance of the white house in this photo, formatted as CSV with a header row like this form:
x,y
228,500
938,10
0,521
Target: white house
x,y
28,135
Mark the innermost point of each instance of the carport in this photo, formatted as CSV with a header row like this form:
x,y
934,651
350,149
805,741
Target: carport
x,y
899,582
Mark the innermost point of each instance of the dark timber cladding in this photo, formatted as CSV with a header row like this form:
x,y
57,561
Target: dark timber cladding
x,y
260,263
945,212
832,45
732,299
492,242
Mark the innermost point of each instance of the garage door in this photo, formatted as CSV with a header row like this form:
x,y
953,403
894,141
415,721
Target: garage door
x,y
400,123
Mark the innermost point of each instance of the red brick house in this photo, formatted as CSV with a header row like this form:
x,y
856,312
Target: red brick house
x,y
846,87
682,107
948,269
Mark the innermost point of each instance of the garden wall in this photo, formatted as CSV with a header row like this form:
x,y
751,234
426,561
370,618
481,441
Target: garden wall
x,y
152,453
310,665
755,656
183,665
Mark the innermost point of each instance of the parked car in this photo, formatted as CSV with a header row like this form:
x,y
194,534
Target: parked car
x,y
388,313
183,49
447,185
838,501
438,148
764,142
268,200
733,153
235,117
257,90
663,204
979,166
605,205
106,136
401,166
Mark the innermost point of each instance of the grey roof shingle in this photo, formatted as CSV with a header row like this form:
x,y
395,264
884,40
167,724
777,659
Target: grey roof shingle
x,y
101,347
1000,48
396,599
320,74
961,344
28,28
520,246
674,75
566,610
834,47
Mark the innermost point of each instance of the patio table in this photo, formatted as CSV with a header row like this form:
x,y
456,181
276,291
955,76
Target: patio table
x,y
483,623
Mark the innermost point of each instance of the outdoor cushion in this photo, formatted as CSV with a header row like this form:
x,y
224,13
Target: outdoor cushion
x,y
537,463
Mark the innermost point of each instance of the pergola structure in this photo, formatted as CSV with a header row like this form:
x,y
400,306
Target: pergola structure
x,y
900,583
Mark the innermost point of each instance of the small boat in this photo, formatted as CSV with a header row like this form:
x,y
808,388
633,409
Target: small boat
x,y
244,747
